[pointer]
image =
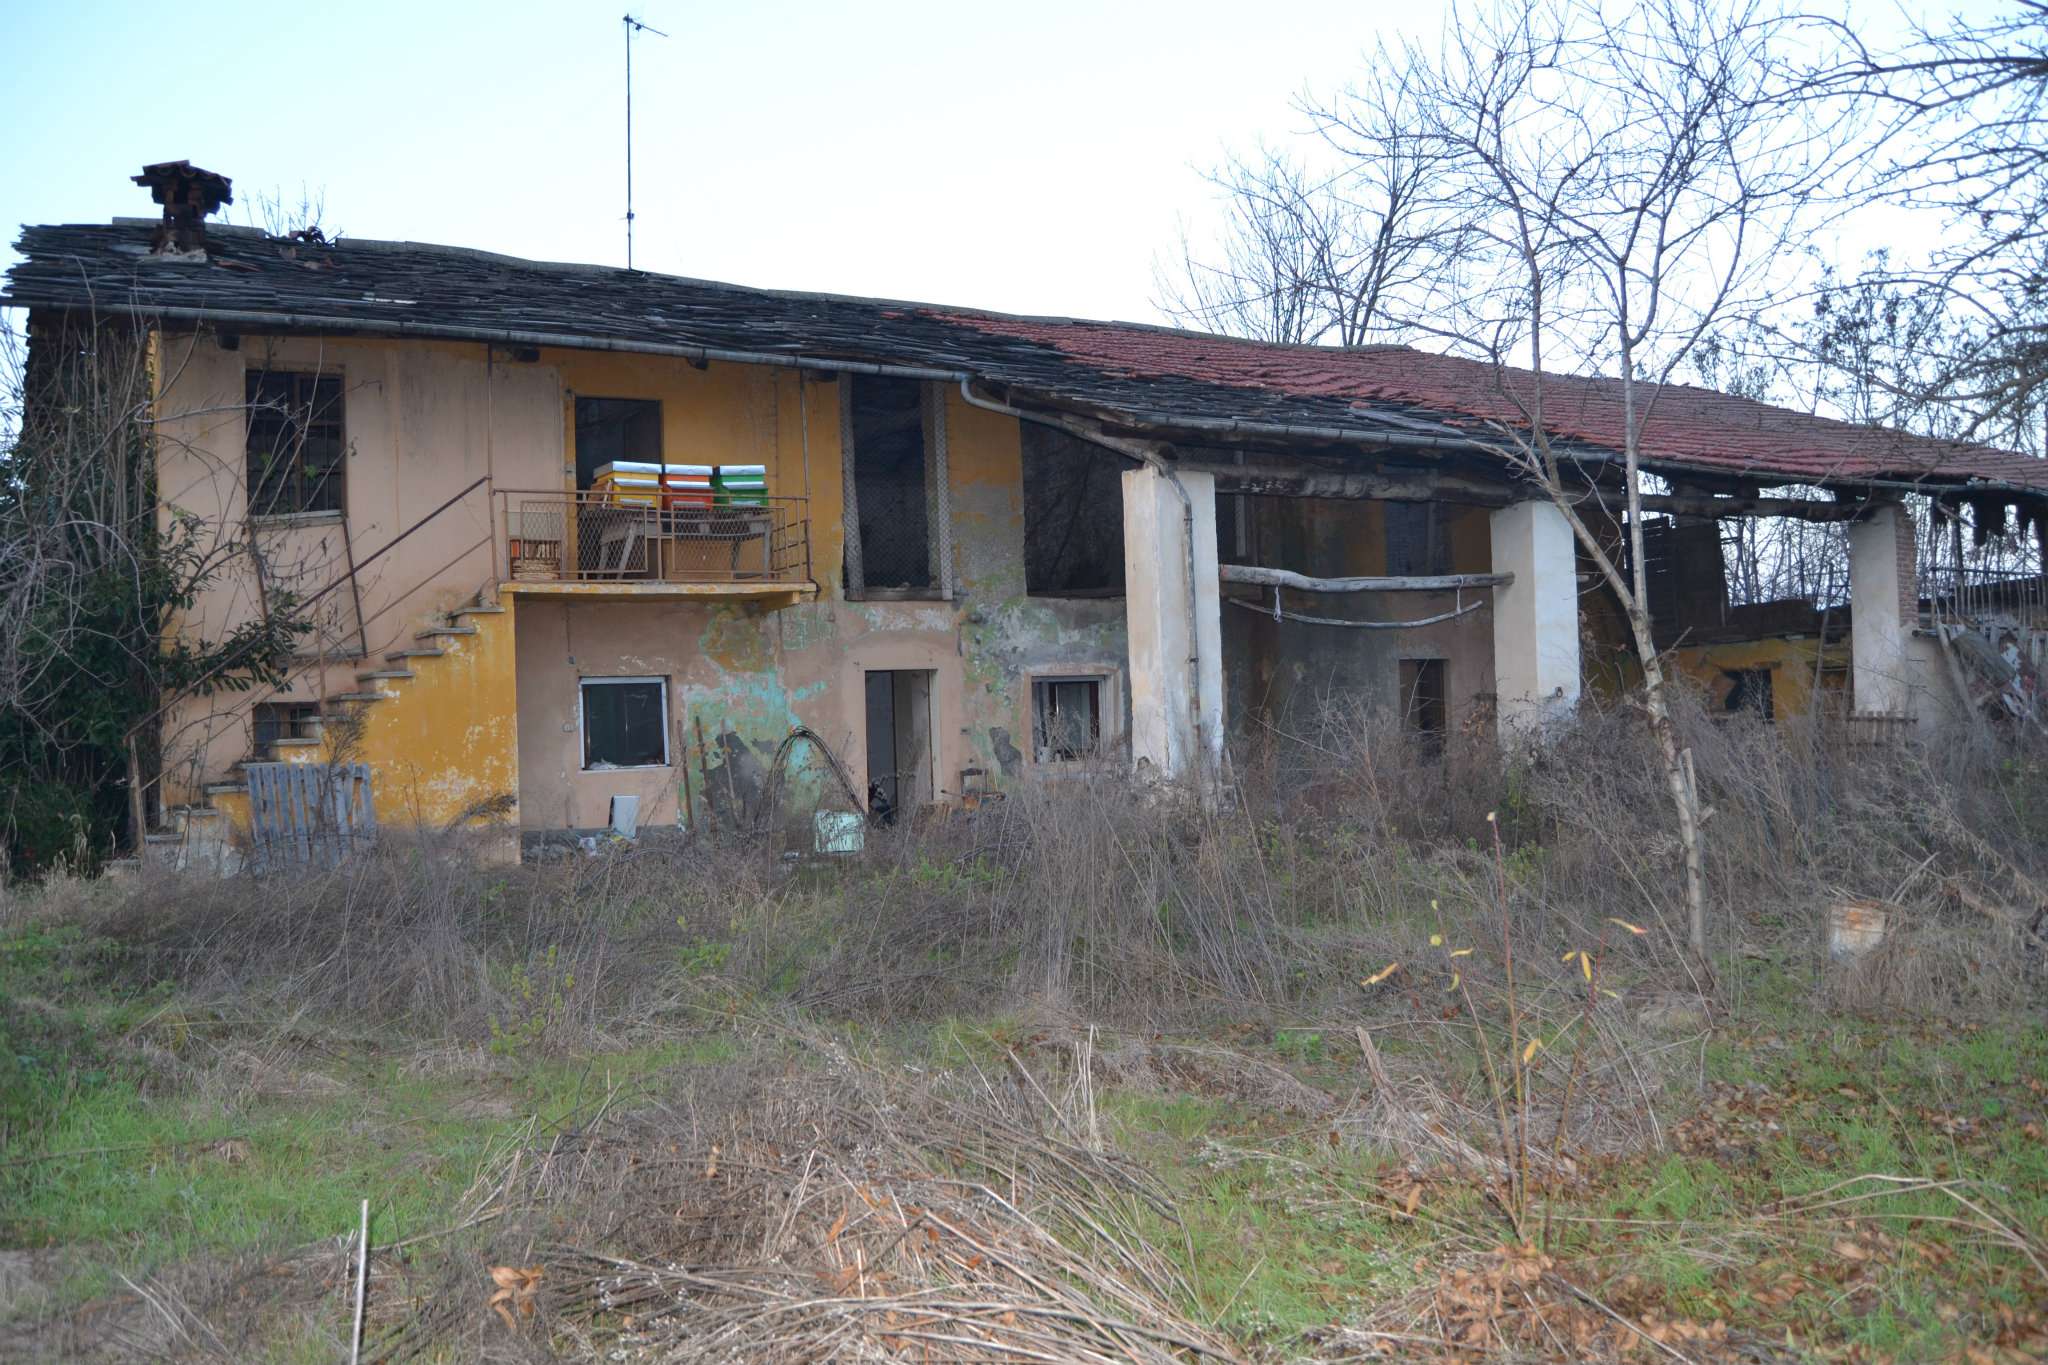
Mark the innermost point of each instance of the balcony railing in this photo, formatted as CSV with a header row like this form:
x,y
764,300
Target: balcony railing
x,y
601,537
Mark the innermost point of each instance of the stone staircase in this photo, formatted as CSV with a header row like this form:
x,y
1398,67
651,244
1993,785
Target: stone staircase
x,y
457,673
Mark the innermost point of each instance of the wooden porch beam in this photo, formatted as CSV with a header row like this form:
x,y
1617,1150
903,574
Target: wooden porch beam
x,y
1287,578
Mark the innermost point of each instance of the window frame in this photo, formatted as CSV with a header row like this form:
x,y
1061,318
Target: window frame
x,y
1108,713
334,486
583,723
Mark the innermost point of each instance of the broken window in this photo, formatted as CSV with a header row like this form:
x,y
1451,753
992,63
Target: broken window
x,y
1073,516
1749,689
893,438
1416,542
295,443
610,430
1066,718
1425,700
625,723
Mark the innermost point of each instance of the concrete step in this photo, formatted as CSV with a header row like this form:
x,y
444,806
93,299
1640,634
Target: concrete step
x,y
360,696
213,789
478,610
310,742
398,655
376,673
436,632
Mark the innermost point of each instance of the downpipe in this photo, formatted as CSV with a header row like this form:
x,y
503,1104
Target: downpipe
x,y
1143,453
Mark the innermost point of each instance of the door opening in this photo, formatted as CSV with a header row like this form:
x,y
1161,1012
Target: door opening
x,y
899,714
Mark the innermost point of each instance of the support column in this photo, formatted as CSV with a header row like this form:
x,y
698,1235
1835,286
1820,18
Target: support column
x,y
1884,598
1535,618
1175,638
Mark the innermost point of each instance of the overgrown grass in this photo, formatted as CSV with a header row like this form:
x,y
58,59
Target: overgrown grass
x,y
204,1074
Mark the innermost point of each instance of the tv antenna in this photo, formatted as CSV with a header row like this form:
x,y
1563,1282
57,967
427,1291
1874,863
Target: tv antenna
x,y
632,26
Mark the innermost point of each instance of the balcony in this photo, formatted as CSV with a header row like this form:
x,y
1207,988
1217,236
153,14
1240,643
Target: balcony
x,y
599,543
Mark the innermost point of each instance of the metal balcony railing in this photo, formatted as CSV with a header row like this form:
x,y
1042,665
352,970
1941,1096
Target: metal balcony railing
x,y
601,536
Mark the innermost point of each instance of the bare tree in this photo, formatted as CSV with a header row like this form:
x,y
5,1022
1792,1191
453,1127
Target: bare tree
x,y
1322,246
93,573
1603,191
1961,134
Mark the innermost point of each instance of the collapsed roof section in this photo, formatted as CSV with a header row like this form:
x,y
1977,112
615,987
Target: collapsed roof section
x,y
1126,375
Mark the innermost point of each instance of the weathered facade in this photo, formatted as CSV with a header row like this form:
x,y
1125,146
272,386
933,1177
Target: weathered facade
x,y
968,552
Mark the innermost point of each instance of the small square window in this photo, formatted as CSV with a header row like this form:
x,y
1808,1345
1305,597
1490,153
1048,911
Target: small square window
x,y
276,720
625,723
1066,718
1749,690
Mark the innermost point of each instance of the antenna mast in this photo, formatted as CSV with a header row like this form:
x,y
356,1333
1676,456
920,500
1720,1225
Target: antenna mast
x,y
632,26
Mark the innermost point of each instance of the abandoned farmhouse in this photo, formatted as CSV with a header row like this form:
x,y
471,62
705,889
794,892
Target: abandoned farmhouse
x,y
575,540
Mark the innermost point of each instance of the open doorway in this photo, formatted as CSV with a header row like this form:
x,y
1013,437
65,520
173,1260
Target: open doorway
x,y
899,713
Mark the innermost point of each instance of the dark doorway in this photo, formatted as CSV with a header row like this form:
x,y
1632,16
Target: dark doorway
x,y
899,726
892,480
609,430
1425,700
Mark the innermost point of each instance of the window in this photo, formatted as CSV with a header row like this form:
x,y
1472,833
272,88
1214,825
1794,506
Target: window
x,y
1425,700
296,446
1416,543
893,437
609,430
625,723
276,720
1066,718
1073,516
1749,689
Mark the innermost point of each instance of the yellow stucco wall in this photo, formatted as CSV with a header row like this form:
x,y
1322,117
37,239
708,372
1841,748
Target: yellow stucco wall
x,y
1792,663
422,421
425,419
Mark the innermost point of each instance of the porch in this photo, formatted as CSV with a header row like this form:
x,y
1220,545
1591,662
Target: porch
x,y
598,543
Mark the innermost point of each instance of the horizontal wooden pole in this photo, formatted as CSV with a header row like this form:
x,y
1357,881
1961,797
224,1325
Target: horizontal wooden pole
x,y
1423,485
1287,578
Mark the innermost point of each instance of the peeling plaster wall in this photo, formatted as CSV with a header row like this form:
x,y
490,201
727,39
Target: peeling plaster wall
x,y
750,674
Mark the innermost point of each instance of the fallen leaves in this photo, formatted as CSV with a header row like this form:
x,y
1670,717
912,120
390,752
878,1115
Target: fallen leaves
x,y
517,1288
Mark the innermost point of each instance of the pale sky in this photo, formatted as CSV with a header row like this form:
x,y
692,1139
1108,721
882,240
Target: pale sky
x,y
1026,158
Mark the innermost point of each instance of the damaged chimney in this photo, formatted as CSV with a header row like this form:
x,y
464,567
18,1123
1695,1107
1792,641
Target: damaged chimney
x,y
188,194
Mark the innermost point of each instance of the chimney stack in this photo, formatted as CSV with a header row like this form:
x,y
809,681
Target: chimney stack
x,y
188,195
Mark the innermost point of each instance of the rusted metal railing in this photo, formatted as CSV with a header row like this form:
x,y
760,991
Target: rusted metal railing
x,y
601,536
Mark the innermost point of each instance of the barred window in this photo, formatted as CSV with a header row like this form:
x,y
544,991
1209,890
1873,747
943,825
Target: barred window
x,y
893,433
1073,516
1416,543
296,446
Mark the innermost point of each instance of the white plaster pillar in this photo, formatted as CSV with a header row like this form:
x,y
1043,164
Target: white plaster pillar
x,y
1176,679
1535,618
1884,596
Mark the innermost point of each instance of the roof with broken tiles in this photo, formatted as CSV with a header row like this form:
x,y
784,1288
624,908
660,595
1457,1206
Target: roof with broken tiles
x,y
1138,373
